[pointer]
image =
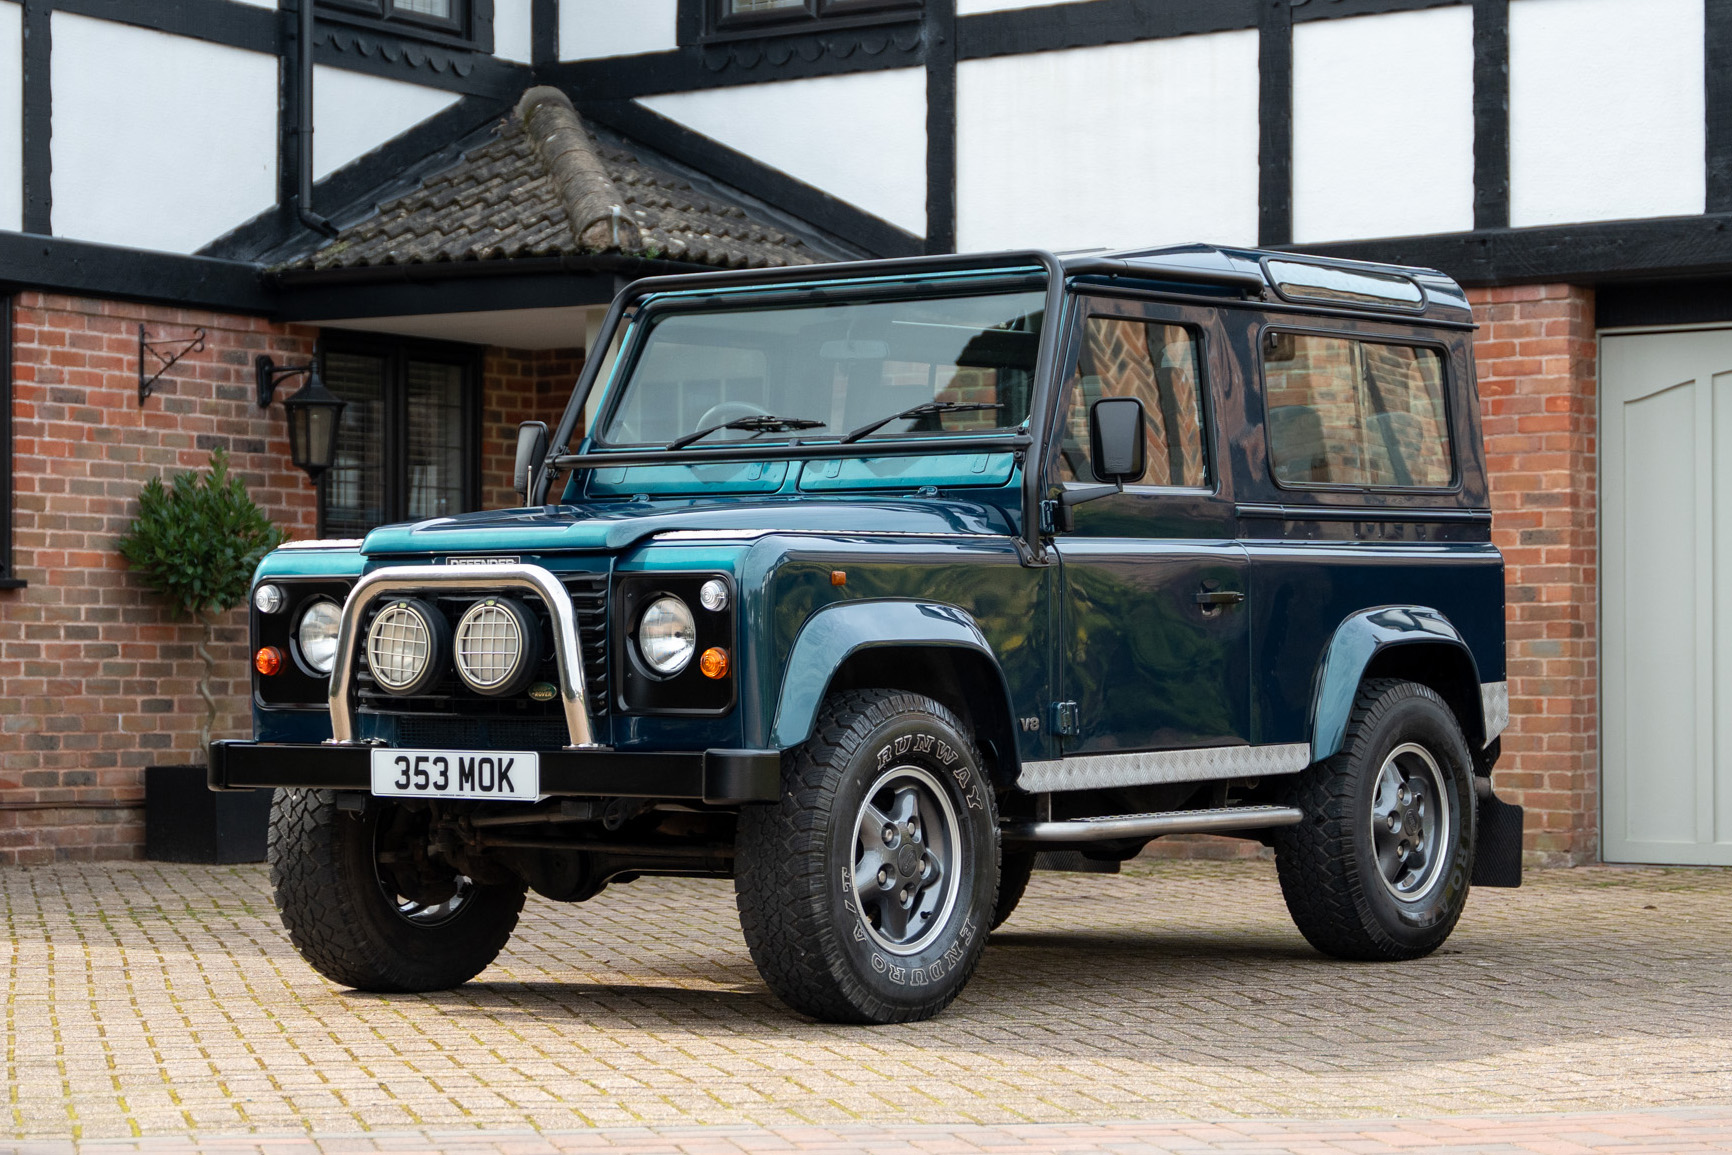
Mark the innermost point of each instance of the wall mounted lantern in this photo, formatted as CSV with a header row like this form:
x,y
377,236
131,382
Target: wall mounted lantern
x,y
313,414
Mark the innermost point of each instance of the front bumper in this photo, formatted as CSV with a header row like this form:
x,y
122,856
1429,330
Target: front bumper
x,y
717,777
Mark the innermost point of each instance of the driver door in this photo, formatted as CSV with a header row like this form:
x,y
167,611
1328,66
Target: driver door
x,y
1156,648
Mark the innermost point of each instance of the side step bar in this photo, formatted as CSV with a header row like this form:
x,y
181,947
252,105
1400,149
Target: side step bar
x,y
1149,825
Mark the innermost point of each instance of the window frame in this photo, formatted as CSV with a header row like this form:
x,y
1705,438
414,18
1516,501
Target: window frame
x,y
397,352
635,336
1265,331
709,21
470,28
1093,306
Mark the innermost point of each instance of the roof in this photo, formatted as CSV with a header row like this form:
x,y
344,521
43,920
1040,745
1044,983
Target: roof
x,y
544,183
1286,279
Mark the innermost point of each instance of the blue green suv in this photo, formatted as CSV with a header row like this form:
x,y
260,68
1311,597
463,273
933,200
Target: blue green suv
x,y
864,584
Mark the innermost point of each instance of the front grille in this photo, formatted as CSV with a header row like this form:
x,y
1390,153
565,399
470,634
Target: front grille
x,y
449,709
437,731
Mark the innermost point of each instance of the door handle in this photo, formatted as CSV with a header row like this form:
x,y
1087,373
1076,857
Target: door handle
x,y
1217,598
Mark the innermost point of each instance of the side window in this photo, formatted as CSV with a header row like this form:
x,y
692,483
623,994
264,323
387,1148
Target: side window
x,y
1156,363
1360,413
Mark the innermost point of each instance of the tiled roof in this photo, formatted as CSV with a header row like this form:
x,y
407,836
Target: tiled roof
x,y
515,195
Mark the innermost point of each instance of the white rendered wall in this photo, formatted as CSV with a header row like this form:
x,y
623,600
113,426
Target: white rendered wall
x,y
1130,144
1383,125
11,117
590,29
512,36
1606,109
970,7
159,141
354,113
861,137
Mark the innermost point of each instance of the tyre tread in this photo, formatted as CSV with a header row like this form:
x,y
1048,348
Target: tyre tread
x,y
780,886
1315,860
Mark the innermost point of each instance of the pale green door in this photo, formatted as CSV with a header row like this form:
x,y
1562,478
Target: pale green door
x,y
1666,596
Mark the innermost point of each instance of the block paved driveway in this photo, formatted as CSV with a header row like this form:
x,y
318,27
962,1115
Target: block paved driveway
x,y
148,1003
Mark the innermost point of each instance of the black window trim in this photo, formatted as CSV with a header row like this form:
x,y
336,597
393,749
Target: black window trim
x,y
472,28
394,464
708,21
1413,342
1090,304
8,578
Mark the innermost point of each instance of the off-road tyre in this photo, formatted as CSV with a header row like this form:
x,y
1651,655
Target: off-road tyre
x,y
1328,864
339,916
820,948
1015,868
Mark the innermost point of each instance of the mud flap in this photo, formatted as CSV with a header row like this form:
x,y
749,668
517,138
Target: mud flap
x,y
1497,860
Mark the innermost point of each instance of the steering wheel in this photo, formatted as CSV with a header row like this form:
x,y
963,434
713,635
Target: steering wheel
x,y
729,411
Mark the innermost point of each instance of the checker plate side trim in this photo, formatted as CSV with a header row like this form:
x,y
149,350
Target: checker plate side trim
x,y
1099,771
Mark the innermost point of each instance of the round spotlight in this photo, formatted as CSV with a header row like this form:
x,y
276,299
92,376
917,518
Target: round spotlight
x,y
666,636
714,595
406,646
498,646
268,599
316,636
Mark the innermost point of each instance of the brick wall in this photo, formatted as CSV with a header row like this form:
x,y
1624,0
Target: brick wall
x,y
96,680
521,385
1537,385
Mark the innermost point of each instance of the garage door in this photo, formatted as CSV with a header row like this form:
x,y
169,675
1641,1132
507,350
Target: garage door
x,y
1666,588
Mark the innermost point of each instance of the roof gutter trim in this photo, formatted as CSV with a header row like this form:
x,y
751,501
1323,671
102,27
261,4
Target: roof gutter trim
x,y
290,279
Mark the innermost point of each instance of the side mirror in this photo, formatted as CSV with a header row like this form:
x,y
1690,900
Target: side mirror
x,y
531,453
1116,440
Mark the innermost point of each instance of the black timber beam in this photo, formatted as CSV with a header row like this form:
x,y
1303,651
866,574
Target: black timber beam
x,y
58,265
1629,250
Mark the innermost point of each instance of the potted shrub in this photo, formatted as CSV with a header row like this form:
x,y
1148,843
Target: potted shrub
x,y
196,542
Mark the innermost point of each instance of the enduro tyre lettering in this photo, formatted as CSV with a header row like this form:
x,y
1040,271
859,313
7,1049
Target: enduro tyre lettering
x,y
796,863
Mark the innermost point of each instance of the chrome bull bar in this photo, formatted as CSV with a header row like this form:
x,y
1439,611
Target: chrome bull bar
x,y
479,578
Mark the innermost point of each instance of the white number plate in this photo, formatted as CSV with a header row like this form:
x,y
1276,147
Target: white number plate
x,y
481,774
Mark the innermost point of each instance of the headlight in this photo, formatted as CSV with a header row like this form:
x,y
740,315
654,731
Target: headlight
x,y
317,635
666,636
406,645
498,646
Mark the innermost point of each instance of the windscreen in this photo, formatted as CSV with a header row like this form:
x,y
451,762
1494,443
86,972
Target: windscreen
x,y
832,368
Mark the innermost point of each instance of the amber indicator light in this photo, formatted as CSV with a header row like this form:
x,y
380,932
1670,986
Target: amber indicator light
x,y
268,660
714,662
838,577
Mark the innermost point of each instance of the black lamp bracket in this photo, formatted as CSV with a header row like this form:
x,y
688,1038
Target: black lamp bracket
x,y
269,373
165,361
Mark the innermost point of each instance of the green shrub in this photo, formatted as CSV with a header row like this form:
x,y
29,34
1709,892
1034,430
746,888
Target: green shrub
x,y
196,542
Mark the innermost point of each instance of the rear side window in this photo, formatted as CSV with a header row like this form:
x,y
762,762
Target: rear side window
x,y
1159,366
1360,413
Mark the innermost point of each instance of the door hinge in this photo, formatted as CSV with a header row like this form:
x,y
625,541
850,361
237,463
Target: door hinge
x,y
1064,719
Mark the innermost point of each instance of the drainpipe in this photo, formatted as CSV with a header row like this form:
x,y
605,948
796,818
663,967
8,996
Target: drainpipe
x,y
304,122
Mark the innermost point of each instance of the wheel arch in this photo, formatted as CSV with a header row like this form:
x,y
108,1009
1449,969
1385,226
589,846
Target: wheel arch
x,y
922,647
1414,643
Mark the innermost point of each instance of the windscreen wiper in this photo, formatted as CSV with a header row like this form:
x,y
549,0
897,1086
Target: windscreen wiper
x,y
757,423
926,410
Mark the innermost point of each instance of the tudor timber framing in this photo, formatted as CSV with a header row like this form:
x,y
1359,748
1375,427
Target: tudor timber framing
x,y
433,64
1596,252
